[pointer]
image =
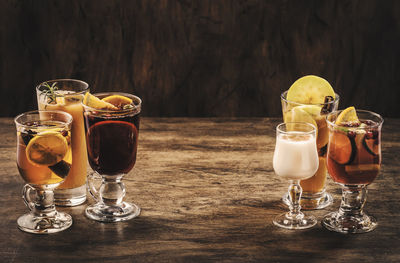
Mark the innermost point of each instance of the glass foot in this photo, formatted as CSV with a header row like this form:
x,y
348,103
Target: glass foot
x,y
347,224
104,213
70,197
311,201
44,225
292,221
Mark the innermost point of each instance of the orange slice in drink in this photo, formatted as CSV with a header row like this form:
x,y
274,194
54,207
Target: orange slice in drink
x,y
348,115
118,100
94,102
46,148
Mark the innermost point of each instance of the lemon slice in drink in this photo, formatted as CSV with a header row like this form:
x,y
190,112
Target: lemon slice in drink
x,y
310,90
298,114
46,148
94,102
117,100
348,115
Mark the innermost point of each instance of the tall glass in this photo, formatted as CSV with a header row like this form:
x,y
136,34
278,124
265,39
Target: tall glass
x,y
295,159
112,138
354,161
44,160
314,189
67,95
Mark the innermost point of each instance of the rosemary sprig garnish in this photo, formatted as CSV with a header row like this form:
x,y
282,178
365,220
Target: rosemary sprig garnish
x,y
49,92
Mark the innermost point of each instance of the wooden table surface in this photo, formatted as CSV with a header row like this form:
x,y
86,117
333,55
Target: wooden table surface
x,y
208,193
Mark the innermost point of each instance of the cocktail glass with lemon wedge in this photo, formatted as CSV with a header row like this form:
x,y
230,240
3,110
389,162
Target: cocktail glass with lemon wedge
x,y
310,99
112,129
354,161
67,95
44,160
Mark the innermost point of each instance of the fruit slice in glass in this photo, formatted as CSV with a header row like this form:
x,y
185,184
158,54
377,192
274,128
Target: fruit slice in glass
x,y
353,160
44,161
314,193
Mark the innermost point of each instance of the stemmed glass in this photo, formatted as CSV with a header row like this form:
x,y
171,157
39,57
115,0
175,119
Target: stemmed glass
x,y
44,160
111,139
295,158
354,161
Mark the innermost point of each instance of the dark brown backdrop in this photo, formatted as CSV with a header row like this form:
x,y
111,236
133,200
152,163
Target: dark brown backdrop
x,y
203,58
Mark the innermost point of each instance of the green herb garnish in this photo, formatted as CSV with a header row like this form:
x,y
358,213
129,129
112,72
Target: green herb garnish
x,y
49,92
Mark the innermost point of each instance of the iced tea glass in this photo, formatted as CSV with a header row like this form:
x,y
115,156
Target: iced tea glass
x,y
314,195
67,95
44,160
112,138
354,161
295,158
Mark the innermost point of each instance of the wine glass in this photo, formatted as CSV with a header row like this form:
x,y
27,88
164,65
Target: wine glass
x,y
354,161
295,158
44,160
111,139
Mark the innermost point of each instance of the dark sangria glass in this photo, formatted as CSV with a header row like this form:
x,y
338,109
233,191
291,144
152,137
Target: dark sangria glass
x,y
111,138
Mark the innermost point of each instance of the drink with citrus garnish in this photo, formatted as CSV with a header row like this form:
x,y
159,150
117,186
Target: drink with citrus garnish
x,y
310,99
354,152
67,95
44,161
354,161
44,153
112,129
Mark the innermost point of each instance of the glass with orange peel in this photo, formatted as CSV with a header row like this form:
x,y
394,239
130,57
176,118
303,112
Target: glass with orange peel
x,y
310,99
67,95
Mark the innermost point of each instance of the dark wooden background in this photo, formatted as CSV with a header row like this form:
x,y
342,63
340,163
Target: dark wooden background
x,y
202,58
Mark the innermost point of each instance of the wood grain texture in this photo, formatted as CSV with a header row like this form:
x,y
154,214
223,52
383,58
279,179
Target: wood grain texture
x,y
203,58
208,193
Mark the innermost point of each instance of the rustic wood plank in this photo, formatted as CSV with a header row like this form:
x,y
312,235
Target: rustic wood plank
x,y
208,193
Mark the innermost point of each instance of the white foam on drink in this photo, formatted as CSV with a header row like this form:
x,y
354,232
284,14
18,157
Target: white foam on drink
x,y
295,156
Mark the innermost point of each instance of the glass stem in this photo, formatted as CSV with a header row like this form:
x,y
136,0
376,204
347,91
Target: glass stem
x,y
112,190
353,200
295,191
44,203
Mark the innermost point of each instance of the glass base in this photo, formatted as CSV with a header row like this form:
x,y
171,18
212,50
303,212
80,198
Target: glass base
x,y
290,221
44,225
311,201
70,197
104,213
349,224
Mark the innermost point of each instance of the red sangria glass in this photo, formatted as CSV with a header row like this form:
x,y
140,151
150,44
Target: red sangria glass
x,y
111,138
353,161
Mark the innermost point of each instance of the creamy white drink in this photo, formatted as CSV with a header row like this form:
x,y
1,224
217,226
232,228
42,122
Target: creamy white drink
x,y
295,156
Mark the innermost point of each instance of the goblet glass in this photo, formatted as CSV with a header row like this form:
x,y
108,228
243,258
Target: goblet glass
x,y
111,139
44,160
295,158
354,161
314,188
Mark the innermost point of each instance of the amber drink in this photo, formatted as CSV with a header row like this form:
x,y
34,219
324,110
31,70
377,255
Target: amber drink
x,y
314,193
354,161
44,160
67,95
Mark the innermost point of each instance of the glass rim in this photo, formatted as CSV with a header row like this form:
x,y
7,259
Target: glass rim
x,y
283,97
312,131
378,124
137,107
37,112
65,80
